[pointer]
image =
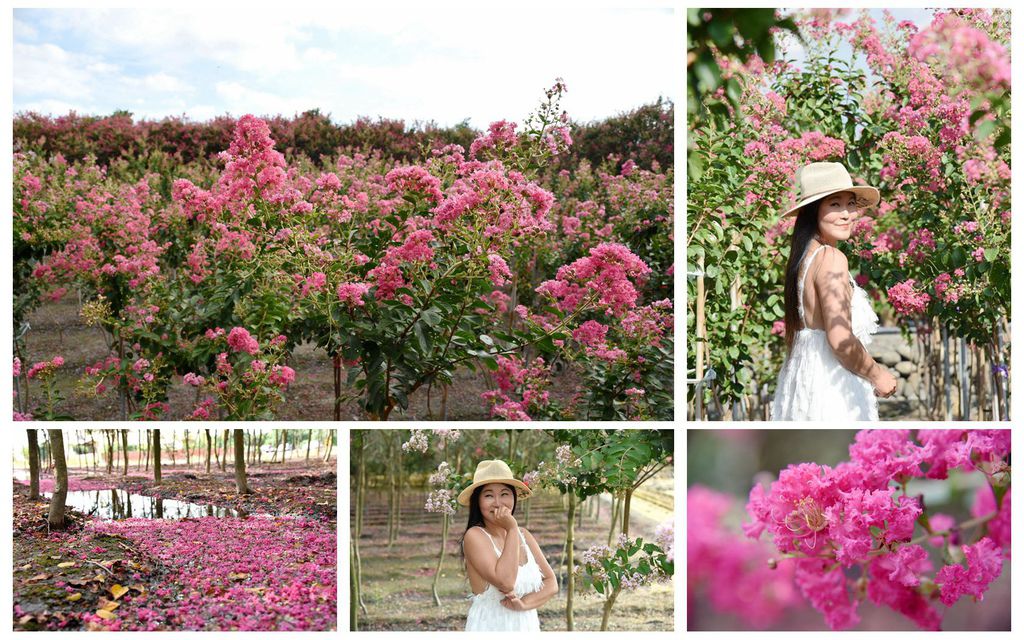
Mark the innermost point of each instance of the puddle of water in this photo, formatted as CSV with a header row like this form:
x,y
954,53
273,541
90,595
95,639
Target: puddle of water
x,y
118,504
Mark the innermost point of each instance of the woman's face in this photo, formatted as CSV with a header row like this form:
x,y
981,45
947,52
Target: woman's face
x,y
495,495
836,214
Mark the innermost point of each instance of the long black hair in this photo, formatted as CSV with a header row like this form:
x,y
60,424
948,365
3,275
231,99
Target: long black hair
x,y
805,228
476,516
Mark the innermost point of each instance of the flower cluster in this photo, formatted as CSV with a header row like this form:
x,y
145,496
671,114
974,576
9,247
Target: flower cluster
x,y
851,515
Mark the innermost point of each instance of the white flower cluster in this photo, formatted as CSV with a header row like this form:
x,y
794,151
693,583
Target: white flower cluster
x,y
417,442
440,501
665,537
440,476
451,435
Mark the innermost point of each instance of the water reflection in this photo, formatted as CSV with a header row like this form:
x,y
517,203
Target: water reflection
x,y
118,504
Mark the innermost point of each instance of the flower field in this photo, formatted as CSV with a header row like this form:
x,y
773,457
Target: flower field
x,y
922,112
399,266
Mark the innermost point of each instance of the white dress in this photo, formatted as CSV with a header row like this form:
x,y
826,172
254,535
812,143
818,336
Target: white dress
x,y
486,612
813,384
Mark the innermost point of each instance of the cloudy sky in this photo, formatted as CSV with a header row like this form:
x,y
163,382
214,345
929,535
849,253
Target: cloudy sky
x,y
414,64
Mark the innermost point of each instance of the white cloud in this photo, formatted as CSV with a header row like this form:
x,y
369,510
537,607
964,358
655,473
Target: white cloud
x,y
239,99
48,70
24,31
164,83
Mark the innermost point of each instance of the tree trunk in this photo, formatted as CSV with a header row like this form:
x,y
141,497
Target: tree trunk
x,y
284,448
224,457
188,452
330,444
570,530
309,442
357,567
108,437
148,449
33,464
277,443
156,456
625,511
353,588
60,487
209,451
240,483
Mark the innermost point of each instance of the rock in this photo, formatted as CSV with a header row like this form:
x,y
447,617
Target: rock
x,y
906,368
889,358
906,351
875,350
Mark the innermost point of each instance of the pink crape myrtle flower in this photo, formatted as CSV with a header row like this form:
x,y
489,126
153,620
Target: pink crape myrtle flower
x,y
240,340
608,275
984,565
351,293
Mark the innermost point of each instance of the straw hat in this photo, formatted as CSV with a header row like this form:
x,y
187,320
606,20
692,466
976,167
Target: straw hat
x,y
819,180
489,471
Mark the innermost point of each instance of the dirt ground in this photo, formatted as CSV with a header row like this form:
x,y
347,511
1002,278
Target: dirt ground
x,y
397,578
57,329
62,580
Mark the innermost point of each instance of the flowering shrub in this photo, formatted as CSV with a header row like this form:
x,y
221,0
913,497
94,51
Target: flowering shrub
x,y
827,520
402,273
633,563
932,137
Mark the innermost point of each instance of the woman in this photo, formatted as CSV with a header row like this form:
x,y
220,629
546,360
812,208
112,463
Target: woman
x,y
507,571
828,374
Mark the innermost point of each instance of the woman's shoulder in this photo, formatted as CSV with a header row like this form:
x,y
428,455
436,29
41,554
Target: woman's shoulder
x,y
474,533
831,260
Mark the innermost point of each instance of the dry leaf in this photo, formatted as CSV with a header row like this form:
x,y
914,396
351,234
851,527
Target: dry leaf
x,y
106,615
117,591
26,567
238,576
65,565
41,576
74,596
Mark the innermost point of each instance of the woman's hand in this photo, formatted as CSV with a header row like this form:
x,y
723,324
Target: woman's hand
x,y
883,381
513,602
503,516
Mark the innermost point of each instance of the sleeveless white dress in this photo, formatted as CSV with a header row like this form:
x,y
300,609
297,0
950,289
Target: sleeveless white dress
x,y
486,612
813,384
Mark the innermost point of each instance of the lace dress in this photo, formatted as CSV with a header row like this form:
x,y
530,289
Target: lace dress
x,y
813,384
486,612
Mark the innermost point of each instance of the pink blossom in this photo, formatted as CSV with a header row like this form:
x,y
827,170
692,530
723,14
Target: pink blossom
x,y
984,565
500,272
240,340
352,293
906,300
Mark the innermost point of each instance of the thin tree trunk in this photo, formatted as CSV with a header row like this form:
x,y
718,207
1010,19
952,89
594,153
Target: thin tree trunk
x,y
60,489
625,511
357,566
240,482
570,528
309,442
33,464
124,449
188,452
156,456
353,588
224,458
284,449
330,444
209,451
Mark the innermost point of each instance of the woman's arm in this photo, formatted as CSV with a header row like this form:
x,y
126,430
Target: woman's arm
x,y
832,285
500,572
550,589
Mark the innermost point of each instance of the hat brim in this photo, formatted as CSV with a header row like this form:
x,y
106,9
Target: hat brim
x,y
524,491
868,196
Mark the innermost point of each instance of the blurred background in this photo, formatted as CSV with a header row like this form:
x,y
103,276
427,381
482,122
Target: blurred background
x,y
729,584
